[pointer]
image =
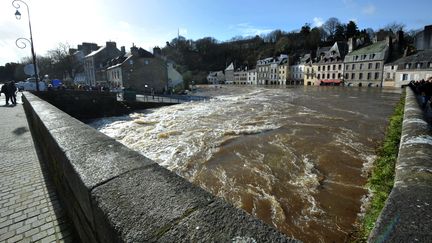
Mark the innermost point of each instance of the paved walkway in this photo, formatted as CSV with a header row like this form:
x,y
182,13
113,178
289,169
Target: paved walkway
x,y
29,208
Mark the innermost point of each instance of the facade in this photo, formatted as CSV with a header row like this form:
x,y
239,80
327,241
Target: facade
x,y
283,70
329,65
423,39
229,74
140,71
263,70
95,63
310,74
390,74
240,77
252,76
217,77
365,66
413,68
174,77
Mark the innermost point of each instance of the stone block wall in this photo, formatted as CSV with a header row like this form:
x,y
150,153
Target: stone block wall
x,y
407,214
114,194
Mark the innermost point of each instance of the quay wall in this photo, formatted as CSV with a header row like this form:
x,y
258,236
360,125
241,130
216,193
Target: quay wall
x,y
114,194
407,214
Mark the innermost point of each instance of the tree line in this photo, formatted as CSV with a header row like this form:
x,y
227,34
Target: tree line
x,y
195,58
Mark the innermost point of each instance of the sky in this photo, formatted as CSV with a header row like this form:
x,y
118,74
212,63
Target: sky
x,y
149,23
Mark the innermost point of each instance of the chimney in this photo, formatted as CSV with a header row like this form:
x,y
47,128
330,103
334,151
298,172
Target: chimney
x,y
351,44
134,50
123,50
111,44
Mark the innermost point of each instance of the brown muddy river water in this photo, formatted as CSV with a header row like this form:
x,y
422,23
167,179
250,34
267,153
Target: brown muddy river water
x,y
297,158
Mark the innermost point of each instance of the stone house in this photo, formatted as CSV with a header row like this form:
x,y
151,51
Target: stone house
x,y
240,76
329,65
310,74
413,68
229,74
283,70
390,74
252,76
95,63
217,77
263,70
297,70
140,71
365,65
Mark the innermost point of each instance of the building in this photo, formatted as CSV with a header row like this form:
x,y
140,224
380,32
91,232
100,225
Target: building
x,y
140,71
365,66
415,67
329,65
240,76
283,70
390,74
95,63
297,70
252,76
263,70
310,74
229,74
217,77
175,78
423,40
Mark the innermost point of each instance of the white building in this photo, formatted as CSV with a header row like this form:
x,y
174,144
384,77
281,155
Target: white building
x,y
252,76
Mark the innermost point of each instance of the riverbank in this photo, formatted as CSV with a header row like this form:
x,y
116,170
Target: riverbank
x,y
381,179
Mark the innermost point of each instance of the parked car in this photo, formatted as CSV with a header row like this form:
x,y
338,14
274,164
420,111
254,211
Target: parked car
x,y
30,85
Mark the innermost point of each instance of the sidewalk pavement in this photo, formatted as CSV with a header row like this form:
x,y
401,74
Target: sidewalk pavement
x,y
29,208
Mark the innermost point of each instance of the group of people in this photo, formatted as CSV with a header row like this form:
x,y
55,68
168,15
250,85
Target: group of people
x,y
10,90
424,89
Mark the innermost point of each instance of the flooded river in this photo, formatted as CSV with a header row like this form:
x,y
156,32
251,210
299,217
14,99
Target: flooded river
x,y
297,158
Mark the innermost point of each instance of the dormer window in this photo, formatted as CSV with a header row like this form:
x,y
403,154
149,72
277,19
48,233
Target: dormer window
x,y
407,65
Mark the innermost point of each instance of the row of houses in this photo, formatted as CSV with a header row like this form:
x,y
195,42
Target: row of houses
x,y
349,63
137,69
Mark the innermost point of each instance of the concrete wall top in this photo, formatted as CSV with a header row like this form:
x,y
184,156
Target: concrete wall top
x,y
407,214
114,194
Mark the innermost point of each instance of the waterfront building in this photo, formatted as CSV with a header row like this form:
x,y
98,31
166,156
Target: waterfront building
x,y
297,70
240,76
175,78
390,74
140,71
283,70
217,77
95,63
365,65
263,70
252,76
310,74
229,74
415,67
329,65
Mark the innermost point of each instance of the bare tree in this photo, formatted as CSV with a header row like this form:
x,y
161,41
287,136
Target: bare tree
x,y
394,27
331,25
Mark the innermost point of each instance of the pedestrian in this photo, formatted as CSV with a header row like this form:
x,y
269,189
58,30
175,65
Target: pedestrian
x,y
12,92
5,90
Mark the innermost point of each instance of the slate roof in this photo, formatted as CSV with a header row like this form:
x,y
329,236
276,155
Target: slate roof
x,y
376,47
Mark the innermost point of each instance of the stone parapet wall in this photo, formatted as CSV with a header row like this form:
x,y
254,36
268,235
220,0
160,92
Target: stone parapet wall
x,y
407,214
114,194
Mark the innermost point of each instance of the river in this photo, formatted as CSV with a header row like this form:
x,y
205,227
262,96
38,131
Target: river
x,y
297,158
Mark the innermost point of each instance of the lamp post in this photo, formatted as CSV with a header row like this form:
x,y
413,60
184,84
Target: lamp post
x,y
20,42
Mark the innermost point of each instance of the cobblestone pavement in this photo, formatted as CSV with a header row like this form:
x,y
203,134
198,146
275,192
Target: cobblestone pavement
x,y
29,208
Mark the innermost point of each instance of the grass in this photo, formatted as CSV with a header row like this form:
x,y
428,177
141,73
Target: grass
x,y
381,179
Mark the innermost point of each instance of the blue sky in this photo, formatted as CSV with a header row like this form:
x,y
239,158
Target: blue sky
x,y
149,23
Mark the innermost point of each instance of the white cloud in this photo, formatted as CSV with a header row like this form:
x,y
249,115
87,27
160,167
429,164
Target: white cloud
x,y
183,31
246,29
369,9
317,22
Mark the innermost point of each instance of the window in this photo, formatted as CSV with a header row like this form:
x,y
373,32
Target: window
x,y
364,57
430,64
346,76
404,77
407,65
388,75
318,76
352,75
333,76
371,56
353,66
360,75
319,68
328,67
419,65
346,67
339,67
328,75
323,68
377,65
376,75
361,66
334,67
369,76
339,75
370,66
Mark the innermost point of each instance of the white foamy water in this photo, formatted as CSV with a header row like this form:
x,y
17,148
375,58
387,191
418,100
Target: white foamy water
x,y
287,156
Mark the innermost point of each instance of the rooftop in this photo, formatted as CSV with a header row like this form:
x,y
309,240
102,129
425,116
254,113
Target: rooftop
x,y
373,48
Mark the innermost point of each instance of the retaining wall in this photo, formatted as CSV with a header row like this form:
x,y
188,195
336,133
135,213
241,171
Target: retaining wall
x,y
114,194
407,214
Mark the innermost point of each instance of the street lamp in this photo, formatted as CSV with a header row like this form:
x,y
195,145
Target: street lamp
x,y
20,42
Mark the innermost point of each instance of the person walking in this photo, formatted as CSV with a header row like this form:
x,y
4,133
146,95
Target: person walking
x,y
5,90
